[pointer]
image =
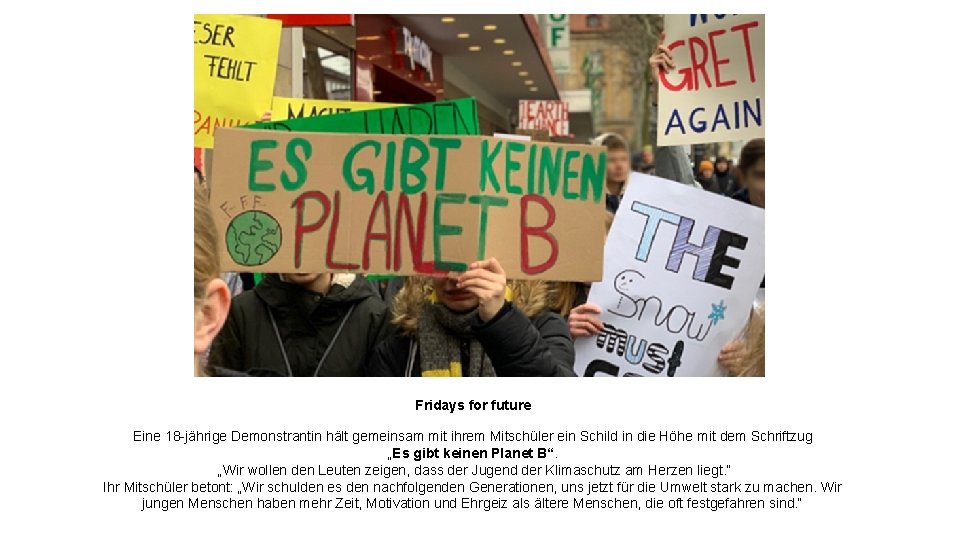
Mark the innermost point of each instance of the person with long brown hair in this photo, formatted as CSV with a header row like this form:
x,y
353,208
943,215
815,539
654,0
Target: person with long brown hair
x,y
751,362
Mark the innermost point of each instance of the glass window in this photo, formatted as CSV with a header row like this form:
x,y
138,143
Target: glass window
x,y
328,62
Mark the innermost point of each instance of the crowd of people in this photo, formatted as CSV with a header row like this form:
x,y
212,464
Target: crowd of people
x,y
476,323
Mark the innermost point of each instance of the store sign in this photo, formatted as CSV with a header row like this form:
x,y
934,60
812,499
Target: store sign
x,y
558,42
417,51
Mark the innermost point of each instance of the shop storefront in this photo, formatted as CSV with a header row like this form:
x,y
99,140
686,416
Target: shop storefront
x,y
395,64
359,58
322,48
497,59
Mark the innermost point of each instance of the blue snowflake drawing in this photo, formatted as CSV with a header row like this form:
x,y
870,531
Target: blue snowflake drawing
x,y
717,314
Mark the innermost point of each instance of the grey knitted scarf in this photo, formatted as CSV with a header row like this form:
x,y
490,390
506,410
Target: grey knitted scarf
x,y
440,332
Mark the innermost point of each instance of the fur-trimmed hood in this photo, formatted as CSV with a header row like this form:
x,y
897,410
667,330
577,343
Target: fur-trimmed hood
x,y
530,297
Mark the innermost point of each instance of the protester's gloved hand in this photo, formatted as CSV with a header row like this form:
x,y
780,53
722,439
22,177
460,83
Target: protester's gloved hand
x,y
733,354
584,321
488,281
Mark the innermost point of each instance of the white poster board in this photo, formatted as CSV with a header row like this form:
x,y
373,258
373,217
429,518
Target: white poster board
x,y
716,93
512,136
680,272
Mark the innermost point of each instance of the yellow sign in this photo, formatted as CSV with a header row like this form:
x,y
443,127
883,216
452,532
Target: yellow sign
x,y
285,108
234,70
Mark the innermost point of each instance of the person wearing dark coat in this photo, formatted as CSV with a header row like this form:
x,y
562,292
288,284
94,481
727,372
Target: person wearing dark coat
x,y
753,172
706,179
474,326
302,325
389,289
724,175
741,196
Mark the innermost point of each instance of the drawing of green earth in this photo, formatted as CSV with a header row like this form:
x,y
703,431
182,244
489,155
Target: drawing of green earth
x,y
253,238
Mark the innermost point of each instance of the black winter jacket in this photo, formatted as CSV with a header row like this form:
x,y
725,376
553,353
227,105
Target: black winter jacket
x,y
726,182
516,346
321,335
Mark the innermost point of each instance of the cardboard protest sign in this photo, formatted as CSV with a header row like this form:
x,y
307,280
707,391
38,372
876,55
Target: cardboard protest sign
x,y
234,70
287,107
681,269
446,118
454,117
551,116
716,93
311,202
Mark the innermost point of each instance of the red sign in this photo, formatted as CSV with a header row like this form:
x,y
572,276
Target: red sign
x,y
552,116
313,20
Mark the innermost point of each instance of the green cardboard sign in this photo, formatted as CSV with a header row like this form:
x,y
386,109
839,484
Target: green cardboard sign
x,y
454,117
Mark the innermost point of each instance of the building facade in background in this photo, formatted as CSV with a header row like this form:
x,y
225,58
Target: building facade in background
x,y
609,69
608,60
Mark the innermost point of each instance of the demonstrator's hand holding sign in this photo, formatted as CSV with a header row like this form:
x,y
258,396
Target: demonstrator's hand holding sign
x,y
488,281
661,59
